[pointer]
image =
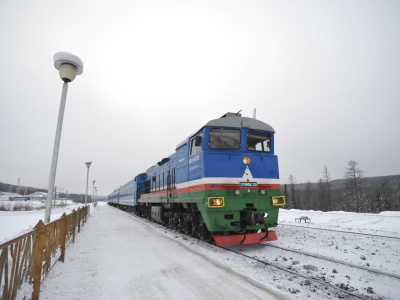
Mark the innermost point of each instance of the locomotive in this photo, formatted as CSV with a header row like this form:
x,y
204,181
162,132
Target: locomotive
x,y
221,184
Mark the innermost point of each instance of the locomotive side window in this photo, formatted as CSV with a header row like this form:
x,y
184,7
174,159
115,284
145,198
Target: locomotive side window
x,y
173,178
146,187
169,186
221,138
195,145
258,141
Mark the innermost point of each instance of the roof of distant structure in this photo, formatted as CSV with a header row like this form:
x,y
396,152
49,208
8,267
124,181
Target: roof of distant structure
x,y
9,194
38,194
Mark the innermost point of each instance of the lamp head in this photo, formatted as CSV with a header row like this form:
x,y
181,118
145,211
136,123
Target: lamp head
x,y
68,65
88,163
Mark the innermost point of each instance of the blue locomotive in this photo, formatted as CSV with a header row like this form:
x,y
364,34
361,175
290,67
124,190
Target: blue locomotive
x,y
221,184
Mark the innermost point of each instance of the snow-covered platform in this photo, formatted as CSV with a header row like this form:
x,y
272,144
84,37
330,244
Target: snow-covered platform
x,y
120,256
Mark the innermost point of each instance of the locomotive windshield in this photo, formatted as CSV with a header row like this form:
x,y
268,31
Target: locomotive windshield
x,y
258,141
221,138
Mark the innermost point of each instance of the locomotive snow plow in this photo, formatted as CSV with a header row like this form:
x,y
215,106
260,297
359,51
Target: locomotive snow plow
x,y
250,231
244,239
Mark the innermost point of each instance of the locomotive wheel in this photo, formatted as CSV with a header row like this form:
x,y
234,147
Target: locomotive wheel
x,y
204,234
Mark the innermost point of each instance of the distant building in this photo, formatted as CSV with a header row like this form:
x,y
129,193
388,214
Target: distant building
x,y
4,196
37,196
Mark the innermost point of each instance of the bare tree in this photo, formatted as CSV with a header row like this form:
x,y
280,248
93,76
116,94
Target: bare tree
x,y
354,177
320,205
285,193
307,199
384,193
292,182
327,188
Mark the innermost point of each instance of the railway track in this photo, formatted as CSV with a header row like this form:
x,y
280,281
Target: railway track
x,y
339,291
337,261
331,280
347,274
322,286
342,231
357,259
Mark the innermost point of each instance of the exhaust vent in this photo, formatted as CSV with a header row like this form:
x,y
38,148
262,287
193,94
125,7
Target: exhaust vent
x,y
231,114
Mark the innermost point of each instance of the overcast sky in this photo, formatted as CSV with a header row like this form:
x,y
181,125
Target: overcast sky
x,y
324,74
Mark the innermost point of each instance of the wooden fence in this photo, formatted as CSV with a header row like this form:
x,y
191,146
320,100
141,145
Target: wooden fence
x,y
27,259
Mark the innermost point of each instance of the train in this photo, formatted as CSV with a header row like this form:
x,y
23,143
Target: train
x,y
221,184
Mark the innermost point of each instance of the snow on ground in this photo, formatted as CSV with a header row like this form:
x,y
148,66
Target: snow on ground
x,y
384,223
109,259
367,241
119,256
15,223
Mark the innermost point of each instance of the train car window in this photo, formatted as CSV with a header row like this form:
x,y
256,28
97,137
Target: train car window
x,y
221,138
259,141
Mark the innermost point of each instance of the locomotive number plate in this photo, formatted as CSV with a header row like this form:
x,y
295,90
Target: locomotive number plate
x,y
248,184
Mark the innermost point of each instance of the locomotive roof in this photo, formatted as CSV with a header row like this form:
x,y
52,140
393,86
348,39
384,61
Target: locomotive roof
x,y
240,122
237,122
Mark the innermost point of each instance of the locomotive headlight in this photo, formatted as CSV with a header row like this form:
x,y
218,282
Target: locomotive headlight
x,y
246,160
216,202
262,192
278,200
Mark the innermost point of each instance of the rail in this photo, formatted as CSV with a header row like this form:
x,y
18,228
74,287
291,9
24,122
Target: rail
x,y
26,260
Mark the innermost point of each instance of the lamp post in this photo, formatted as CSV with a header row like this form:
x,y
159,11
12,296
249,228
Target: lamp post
x,y
94,180
69,66
88,163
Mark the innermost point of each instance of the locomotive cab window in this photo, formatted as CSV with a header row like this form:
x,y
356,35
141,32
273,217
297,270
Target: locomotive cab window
x,y
258,141
227,139
195,145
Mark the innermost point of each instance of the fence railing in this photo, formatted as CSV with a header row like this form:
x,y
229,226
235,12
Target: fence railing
x,y
27,259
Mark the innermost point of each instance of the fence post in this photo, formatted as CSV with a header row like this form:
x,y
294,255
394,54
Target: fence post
x,y
78,219
64,231
38,258
73,218
83,216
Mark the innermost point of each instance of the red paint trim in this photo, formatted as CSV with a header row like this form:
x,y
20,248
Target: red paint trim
x,y
236,186
213,187
251,238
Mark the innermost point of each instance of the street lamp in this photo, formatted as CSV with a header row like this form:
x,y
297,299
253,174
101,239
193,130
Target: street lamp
x,y
87,179
68,66
94,180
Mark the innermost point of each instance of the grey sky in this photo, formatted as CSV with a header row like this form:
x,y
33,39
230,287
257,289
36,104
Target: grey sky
x,y
324,74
